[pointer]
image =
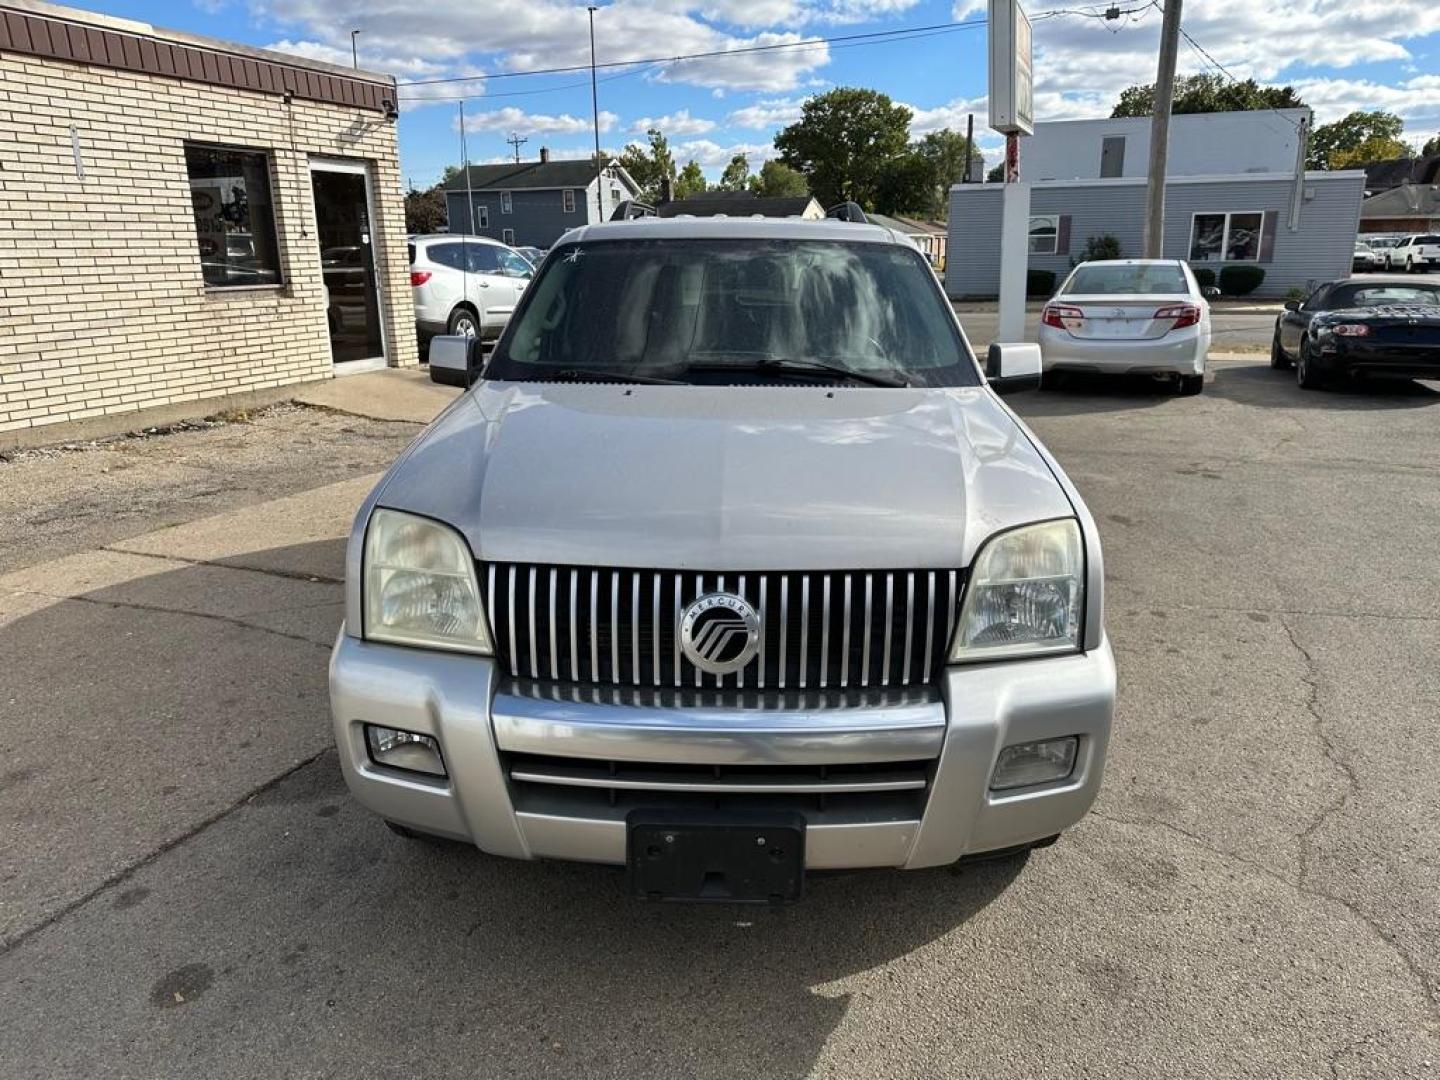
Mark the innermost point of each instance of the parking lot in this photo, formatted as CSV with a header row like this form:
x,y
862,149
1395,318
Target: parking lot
x,y
187,890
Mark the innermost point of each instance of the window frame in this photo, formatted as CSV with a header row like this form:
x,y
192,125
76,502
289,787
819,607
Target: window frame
x,y
271,179
507,204
567,200
1054,239
483,213
507,236
1225,237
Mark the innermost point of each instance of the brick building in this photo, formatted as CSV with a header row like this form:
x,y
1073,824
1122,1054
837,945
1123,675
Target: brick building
x,y
183,218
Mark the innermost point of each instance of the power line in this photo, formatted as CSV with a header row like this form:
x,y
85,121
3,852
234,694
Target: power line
x,y
749,49
1207,58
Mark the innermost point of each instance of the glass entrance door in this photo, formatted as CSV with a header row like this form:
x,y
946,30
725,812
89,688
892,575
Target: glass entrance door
x,y
347,261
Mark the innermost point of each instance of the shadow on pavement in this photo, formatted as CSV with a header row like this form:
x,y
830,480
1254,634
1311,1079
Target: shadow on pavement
x,y
1071,393
1260,384
297,911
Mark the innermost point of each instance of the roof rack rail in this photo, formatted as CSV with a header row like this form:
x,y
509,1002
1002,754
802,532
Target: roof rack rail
x,y
848,211
631,209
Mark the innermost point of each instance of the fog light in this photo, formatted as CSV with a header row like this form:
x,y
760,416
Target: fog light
x,y
1031,763
404,750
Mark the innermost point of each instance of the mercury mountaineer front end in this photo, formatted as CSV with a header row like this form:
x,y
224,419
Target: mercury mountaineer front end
x,y
646,596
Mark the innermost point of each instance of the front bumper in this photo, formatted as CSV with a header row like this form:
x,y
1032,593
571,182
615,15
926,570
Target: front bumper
x,y
481,719
1180,352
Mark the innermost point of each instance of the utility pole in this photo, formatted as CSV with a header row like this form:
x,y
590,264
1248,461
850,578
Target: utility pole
x,y
516,141
354,52
595,111
1160,131
969,146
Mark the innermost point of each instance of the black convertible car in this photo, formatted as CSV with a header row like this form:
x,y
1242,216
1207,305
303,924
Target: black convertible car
x,y
1375,326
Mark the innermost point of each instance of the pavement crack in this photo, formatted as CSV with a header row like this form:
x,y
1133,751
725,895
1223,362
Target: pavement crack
x,y
10,944
267,571
336,411
229,620
1328,749
1319,613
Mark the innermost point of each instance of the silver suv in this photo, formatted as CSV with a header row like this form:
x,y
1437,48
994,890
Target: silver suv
x,y
730,564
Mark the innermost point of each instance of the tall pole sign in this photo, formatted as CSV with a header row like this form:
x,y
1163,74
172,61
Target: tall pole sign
x,y
1012,113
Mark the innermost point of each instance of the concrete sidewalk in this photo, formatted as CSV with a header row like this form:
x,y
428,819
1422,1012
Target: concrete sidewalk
x,y
400,394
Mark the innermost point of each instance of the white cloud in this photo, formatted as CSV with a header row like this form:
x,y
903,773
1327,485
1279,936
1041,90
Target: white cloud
x,y
402,66
712,155
677,123
511,118
769,113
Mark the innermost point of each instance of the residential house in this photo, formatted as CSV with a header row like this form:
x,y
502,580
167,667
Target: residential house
x,y
929,236
1402,196
742,204
184,218
534,203
1233,196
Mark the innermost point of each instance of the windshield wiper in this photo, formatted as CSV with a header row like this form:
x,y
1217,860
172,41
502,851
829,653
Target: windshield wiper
x,y
779,366
593,375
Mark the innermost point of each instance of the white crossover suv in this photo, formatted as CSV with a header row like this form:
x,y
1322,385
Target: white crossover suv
x,y
465,285
731,563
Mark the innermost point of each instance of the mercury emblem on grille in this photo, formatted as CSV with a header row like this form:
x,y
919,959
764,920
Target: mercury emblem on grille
x,y
720,633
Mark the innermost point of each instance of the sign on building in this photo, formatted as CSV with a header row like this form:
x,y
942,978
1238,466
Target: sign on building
x,y
1012,82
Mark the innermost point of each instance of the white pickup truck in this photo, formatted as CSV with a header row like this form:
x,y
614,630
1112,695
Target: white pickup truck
x,y
1416,253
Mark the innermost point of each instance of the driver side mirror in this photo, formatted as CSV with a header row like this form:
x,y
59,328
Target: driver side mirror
x,y
1210,292
1013,367
1292,305
455,360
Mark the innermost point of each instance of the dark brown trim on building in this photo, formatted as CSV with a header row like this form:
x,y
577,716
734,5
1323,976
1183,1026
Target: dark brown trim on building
x,y
57,39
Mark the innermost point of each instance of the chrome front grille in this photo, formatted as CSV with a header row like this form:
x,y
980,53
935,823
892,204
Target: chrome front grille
x,y
587,788
820,629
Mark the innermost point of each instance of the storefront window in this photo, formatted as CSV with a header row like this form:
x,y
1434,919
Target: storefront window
x,y
1226,237
234,216
1044,234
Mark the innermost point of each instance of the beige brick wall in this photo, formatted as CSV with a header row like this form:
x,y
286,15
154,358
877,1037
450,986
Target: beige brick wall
x,y
102,306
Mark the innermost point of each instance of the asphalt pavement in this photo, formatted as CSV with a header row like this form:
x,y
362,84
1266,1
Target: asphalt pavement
x,y
186,890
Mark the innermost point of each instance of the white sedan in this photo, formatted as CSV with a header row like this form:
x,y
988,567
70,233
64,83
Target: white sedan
x,y
1130,316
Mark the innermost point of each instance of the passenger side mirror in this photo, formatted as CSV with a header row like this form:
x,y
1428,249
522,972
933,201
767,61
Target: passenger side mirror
x,y
455,360
1014,367
1210,292
1292,305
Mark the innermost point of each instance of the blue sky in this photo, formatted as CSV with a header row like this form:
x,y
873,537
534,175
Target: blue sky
x,y
1340,54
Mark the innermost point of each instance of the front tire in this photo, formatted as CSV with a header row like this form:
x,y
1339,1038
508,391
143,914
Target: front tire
x,y
1305,374
1278,359
1409,265
1190,385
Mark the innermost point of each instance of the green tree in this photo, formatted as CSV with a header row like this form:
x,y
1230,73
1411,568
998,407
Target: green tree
x,y
691,181
997,174
945,152
1329,143
649,166
425,211
1370,151
1208,92
907,186
1432,146
736,176
778,180
843,143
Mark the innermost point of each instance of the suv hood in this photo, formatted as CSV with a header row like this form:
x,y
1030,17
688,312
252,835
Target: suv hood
x,y
722,478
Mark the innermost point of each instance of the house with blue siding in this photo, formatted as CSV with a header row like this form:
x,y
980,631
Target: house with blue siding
x,y
1236,194
534,203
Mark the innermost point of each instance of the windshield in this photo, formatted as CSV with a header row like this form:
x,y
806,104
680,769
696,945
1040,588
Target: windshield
x,y
708,310
1358,296
1138,279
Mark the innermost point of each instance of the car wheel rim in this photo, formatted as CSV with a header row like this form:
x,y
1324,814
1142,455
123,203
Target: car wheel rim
x,y
465,328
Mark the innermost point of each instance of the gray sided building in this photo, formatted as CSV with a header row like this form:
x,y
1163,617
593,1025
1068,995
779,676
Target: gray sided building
x,y
1210,221
534,203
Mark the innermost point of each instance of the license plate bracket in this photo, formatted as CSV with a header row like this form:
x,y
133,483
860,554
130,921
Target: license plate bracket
x,y
700,857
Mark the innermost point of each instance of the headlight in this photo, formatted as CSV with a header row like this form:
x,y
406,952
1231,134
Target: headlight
x,y
420,586
1025,595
